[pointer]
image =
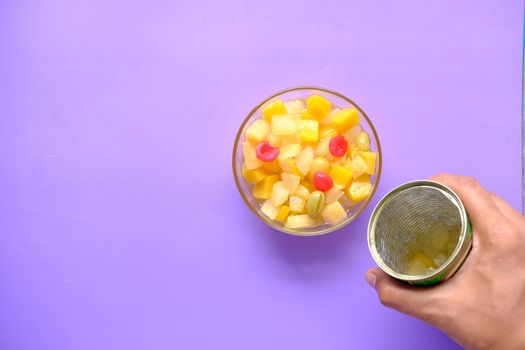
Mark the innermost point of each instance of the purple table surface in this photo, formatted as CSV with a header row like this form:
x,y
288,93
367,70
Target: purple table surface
x,y
120,224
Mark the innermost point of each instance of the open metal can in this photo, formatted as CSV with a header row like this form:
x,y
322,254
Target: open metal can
x,y
420,233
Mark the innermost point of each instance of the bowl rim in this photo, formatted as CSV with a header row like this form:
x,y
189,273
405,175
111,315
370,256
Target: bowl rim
x,y
298,232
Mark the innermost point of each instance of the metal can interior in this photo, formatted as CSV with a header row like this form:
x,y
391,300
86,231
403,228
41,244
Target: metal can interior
x,y
408,220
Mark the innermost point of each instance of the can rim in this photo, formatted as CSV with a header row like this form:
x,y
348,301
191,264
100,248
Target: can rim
x,y
379,207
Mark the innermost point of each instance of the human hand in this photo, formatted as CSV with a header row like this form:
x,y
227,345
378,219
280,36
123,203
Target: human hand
x,y
483,305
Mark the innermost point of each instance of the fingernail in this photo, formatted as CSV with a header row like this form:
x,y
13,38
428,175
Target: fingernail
x,y
370,279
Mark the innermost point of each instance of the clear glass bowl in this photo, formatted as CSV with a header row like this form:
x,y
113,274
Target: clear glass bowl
x,y
301,93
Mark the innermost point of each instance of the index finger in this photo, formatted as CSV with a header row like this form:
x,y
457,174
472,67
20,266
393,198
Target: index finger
x,y
481,208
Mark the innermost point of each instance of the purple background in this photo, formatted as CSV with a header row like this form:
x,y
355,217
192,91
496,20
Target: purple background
x,y
120,224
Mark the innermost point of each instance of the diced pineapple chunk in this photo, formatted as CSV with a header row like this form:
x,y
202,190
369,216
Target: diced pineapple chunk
x,y
279,194
253,176
341,176
359,188
284,125
304,160
294,107
299,221
309,131
263,188
291,139
333,213
257,131
297,204
306,115
289,151
250,157
318,106
302,192
291,181
323,148
333,195
359,166
351,135
345,119
275,108
269,210
370,160
283,213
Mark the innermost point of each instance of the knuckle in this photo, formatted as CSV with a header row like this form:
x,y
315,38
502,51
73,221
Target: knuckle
x,y
386,296
470,182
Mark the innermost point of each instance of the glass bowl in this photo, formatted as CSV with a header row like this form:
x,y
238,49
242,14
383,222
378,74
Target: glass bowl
x,y
303,92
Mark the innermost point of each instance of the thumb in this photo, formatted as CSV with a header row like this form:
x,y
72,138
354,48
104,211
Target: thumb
x,y
419,302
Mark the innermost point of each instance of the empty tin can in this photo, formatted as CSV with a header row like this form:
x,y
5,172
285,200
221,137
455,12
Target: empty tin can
x,y
420,233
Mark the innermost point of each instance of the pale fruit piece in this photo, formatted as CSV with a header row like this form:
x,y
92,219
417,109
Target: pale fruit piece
x,y
257,131
288,165
289,151
269,210
333,195
291,181
333,213
294,106
419,264
319,164
351,135
439,238
284,125
318,106
250,157
363,141
359,166
274,140
304,160
279,194
284,210
370,160
263,188
294,139
302,192
323,149
327,131
359,188
297,204
299,221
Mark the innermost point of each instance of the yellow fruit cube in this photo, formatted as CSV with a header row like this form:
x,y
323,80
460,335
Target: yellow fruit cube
x,y
345,119
291,181
299,221
274,140
318,106
275,108
283,213
310,131
271,167
253,176
250,157
257,131
289,151
370,160
359,166
333,213
294,107
263,188
284,125
304,160
341,176
359,188
307,116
